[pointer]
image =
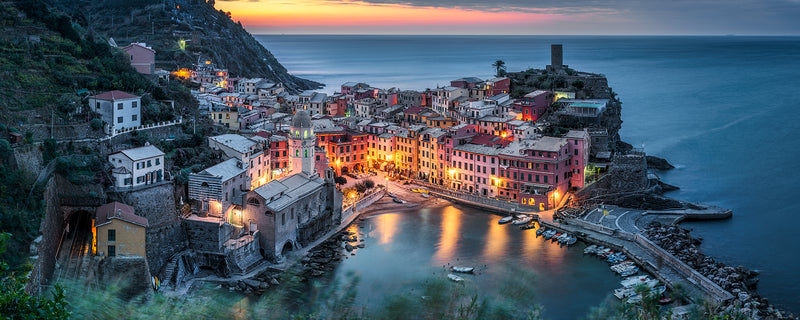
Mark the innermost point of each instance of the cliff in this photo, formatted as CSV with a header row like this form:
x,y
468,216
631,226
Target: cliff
x,y
181,31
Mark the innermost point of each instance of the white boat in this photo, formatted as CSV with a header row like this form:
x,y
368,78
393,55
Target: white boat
x,y
463,269
629,272
424,195
622,293
505,219
590,249
523,219
629,282
455,278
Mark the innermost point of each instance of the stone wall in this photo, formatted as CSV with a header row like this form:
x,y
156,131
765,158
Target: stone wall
x,y
50,229
131,273
165,236
203,235
29,159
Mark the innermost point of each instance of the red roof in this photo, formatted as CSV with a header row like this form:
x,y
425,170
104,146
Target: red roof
x,y
115,95
116,210
138,45
414,110
489,140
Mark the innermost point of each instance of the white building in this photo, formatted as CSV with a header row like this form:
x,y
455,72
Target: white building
x,y
118,109
136,167
219,186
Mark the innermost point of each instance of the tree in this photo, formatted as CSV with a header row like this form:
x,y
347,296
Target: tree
x,y
577,84
340,180
500,67
50,151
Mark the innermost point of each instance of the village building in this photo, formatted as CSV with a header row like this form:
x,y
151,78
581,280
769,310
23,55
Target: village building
x,y
119,231
220,186
119,110
142,57
137,166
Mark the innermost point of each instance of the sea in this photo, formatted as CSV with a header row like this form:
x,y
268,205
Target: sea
x,y
725,110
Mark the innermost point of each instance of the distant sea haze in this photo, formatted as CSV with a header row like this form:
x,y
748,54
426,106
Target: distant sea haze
x,y
723,110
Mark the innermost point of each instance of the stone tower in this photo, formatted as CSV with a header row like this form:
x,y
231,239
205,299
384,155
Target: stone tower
x,y
556,59
301,143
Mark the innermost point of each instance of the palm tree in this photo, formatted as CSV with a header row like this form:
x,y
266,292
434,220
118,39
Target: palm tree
x,y
500,67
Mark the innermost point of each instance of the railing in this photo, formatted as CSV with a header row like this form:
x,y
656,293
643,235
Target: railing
x,y
484,200
115,131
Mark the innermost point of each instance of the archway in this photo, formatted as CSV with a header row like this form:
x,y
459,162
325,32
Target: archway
x,y
358,167
345,170
286,248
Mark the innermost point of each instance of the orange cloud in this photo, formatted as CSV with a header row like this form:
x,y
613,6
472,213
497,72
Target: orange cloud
x,y
319,13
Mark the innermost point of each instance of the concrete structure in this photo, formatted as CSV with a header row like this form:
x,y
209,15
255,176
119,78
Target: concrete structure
x,y
556,58
119,231
218,186
118,109
142,57
137,166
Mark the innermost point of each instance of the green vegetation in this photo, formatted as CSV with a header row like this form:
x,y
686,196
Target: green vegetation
x,y
500,68
16,304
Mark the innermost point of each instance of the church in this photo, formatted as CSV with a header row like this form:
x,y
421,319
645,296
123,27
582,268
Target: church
x,y
294,211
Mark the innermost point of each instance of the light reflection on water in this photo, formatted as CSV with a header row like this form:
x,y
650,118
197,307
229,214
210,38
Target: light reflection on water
x,y
405,249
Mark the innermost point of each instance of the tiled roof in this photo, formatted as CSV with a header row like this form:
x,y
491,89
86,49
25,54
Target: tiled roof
x,y
226,170
278,194
115,95
235,142
116,210
140,153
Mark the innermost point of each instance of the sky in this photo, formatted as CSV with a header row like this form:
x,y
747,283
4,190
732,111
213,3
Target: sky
x,y
518,17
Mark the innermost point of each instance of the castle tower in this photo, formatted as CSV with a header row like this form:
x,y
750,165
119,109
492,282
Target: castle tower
x,y
301,143
556,59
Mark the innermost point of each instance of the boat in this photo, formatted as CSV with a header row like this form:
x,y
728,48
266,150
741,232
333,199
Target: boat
x,y
455,277
589,249
629,282
540,231
549,234
622,265
665,300
564,238
629,272
397,200
463,269
523,219
505,219
528,226
622,293
603,251
424,195
572,240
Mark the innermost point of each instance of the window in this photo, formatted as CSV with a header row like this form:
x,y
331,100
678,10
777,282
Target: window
x,y
283,219
149,164
119,106
134,104
545,167
576,162
112,251
576,152
98,105
112,235
158,161
128,181
119,120
545,179
317,158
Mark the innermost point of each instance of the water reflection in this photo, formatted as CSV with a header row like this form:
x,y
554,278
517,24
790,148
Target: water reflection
x,y
450,235
496,242
386,226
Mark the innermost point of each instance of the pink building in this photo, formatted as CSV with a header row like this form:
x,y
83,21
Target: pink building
x,y
533,105
142,57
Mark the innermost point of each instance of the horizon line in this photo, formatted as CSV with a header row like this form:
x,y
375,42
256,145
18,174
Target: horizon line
x,y
529,35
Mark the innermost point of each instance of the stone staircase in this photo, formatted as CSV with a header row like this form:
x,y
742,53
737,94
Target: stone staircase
x,y
169,272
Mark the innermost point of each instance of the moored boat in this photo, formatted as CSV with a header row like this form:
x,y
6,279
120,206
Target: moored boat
x,y
505,219
455,277
590,249
523,219
632,281
629,272
463,269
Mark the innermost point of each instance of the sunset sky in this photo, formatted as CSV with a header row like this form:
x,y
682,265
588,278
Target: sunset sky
x,y
538,17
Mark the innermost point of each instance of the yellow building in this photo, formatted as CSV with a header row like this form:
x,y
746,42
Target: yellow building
x,y
119,231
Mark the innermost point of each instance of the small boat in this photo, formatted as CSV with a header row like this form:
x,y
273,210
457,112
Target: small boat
x,y
665,300
523,219
397,200
455,277
589,249
424,195
505,219
572,240
540,231
622,293
629,282
462,269
629,272
528,226
549,234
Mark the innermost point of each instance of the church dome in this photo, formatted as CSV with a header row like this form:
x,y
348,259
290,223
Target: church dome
x,y
301,119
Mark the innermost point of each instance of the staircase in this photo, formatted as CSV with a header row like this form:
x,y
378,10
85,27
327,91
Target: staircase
x,y
169,272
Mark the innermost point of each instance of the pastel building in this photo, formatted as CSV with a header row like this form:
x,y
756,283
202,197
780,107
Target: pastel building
x,y
119,231
142,57
119,110
137,166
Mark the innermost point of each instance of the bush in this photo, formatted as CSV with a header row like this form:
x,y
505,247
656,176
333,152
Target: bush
x,y
340,180
96,124
369,183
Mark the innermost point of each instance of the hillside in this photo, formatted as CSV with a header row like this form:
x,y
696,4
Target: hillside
x,y
181,31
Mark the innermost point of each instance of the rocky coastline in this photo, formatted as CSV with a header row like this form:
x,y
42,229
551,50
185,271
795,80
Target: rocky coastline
x,y
739,281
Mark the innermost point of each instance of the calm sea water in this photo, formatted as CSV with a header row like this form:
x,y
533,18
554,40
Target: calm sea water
x,y
724,110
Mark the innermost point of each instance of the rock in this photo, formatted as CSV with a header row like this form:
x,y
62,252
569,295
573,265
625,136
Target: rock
x,y
348,247
274,282
361,245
